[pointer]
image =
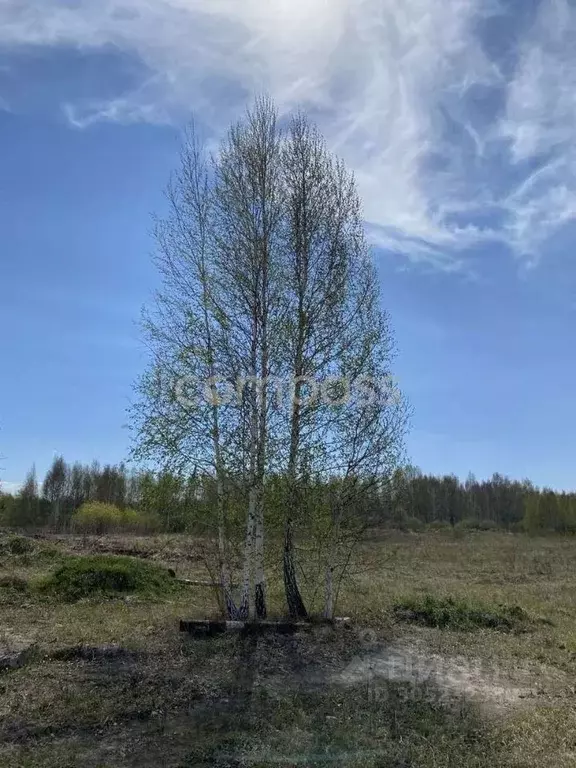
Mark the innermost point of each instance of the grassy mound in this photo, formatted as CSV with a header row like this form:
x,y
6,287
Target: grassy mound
x,y
25,550
108,576
449,613
19,545
13,590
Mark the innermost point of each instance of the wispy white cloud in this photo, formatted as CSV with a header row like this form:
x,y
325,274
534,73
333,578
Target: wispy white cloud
x,y
392,82
540,123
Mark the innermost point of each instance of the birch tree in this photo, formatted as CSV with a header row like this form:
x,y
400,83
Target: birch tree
x,y
267,282
216,321
363,441
54,488
317,199
248,224
177,420
335,331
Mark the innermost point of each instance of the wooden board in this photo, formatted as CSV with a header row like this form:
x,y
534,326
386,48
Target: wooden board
x,y
206,627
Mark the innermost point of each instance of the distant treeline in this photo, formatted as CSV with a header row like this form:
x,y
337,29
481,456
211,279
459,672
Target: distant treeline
x,y
164,501
169,502
418,499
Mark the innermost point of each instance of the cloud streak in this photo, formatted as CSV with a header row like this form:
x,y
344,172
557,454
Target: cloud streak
x,y
404,90
540,123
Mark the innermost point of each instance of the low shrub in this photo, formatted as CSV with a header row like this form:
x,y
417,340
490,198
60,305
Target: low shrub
x,y
438,525
46,551
108,576
27,550
20,545
414,524
474,524
517,527
98,518
450,613
406,523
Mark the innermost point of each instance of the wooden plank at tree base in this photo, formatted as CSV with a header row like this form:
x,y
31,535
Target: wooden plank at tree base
x,y
194,583
206,627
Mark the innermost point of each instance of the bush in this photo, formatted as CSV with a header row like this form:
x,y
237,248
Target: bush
x,y
517,527
403,522
20,545
99,518
474,524
438,525
413,524
108,575
449,613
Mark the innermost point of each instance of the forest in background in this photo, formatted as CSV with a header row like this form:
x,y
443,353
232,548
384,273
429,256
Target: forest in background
x,y
101,498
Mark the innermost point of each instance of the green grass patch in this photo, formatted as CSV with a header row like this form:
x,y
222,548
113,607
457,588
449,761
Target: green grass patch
x,y
462,615
108,576
13,590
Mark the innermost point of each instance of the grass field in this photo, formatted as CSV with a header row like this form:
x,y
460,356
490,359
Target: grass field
x,y
423,676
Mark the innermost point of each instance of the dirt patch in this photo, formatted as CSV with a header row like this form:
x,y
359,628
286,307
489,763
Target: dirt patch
x,y
95,653
487,683
229,701
15,651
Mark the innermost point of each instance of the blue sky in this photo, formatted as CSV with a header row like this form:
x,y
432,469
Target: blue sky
x,y
458,119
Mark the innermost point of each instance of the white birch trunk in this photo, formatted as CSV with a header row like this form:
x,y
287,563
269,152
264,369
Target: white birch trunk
x,y
331,566
247,605
225,581
259,575
329,592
